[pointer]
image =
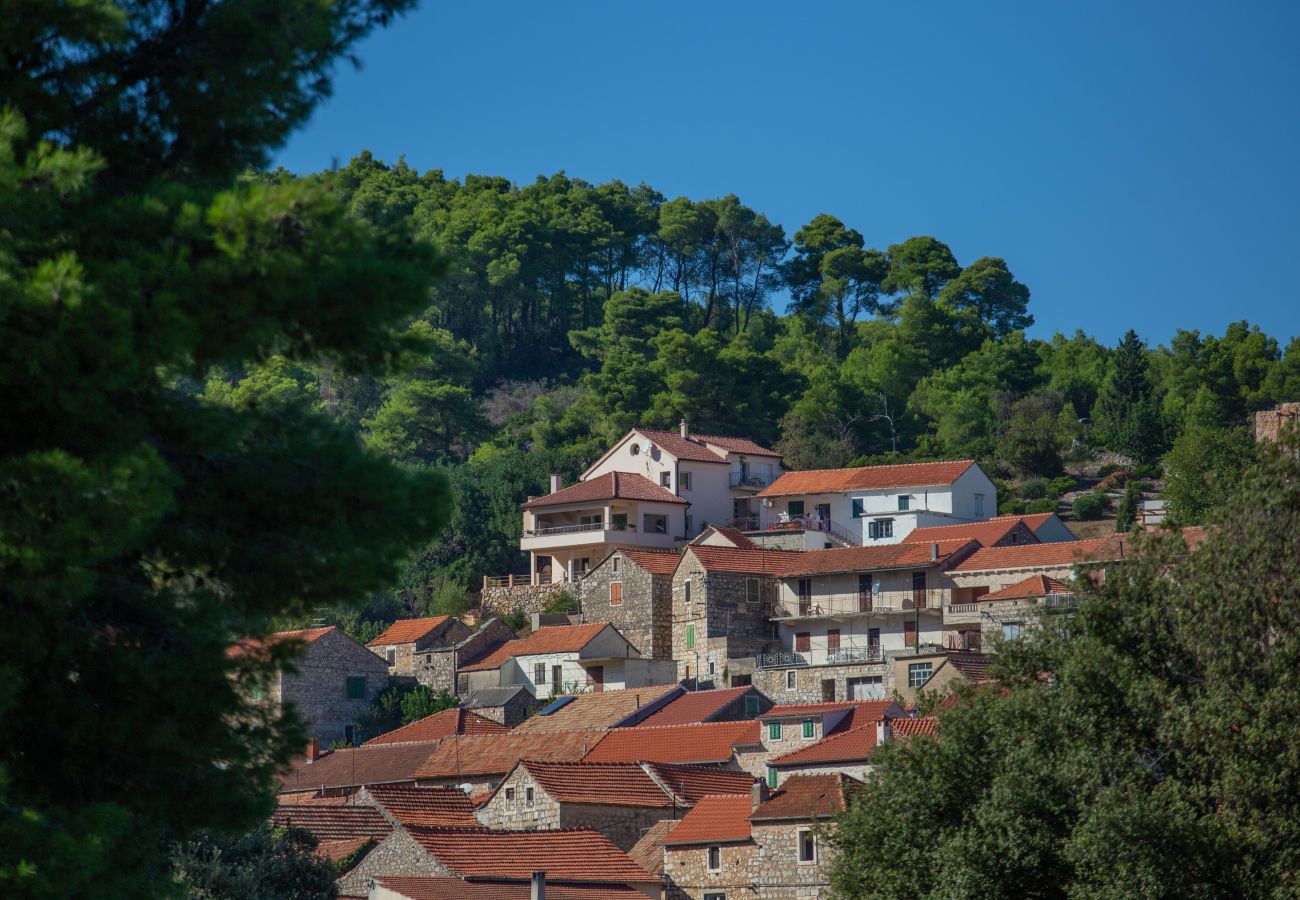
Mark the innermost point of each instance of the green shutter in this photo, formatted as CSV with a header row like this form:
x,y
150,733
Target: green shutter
x,y
690,637
774,731
356,687
771,777
809,729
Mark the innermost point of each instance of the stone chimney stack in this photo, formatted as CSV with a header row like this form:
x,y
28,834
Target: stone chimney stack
x,y
757,794
538,891
934,552
313,750
684,428
557,481
882,731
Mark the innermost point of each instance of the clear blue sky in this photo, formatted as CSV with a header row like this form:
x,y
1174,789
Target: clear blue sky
x,y
1135,163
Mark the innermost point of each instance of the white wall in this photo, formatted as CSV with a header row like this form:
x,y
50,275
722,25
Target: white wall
x,y
709,494
972,482
622,459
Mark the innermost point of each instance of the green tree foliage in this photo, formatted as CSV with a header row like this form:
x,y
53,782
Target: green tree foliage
x,y
1203,468
1145,747
142,527
267,864
1127,412
402,704
1127,510
987,293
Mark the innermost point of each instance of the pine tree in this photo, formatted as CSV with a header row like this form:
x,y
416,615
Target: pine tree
x,y
1127,412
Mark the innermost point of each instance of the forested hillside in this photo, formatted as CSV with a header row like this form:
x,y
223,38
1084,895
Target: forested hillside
x,y
569,311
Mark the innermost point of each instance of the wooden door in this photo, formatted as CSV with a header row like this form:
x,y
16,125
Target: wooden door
x,y
805,596
918,590
596,678
864,593
909,633
832,639
828,690
802,642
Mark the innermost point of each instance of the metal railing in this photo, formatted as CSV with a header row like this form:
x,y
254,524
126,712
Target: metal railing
x,y
576,529
863,602
747,523
844,534
836,656
751,479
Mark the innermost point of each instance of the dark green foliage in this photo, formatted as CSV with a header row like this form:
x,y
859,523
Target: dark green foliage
x,y
1127,412
1142,748
1060,485
1011,506
561,603
1127,510
516,619
401,704
267,864
1034,489
1147,470
423,701
1087,507
1045,505
1202,470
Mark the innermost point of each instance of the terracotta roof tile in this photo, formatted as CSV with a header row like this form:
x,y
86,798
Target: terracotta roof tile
x,y
873,709
434,806
568,855
712,742
1031,556
248,646
853,745
405,631
440,725
742,562
807,797
607,784
337,851
648,852
656,562
986,533
736,536
736,445
714,820
974,666
1033,586
834,481
445,888
905,729
863,559
496,754
334,823
354,766
548,639
610,486
693,782
605,709
309,798
694,706
691,448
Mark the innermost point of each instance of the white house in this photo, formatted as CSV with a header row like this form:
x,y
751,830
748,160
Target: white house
x,y
876,505
651,489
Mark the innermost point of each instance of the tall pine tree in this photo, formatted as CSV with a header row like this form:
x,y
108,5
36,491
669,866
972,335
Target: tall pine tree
x,y
1127,412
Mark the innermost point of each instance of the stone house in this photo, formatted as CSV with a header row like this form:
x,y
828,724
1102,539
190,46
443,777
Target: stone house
x,y
399,643
330,683
709,743
338,773
786,728
607,709
510,704
480,761
1270,422
848,750
633,591
710,852
723,598
438,667
440,725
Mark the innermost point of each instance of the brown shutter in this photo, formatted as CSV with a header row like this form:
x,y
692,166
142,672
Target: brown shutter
x,y
909,633
833,639
615,593
802,642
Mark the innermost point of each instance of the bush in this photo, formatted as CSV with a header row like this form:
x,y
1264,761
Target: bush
x,y
1148,470
516,619
1089,507
1061,485
1114,481
1046,505
1034,489
1107,469
1011,507
448,599
562,603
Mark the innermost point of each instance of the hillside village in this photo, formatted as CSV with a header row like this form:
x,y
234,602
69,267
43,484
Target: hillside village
x,y
747,639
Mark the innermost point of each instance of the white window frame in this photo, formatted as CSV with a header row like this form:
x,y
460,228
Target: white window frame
x,y
614,564
1011,631
390,656
510,798
684,480
529,797
916,668
539,673
666,479
791,680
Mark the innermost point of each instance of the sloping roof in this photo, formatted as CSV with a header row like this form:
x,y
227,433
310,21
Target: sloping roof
x,y
367,764
597,710
610,486
334,823
712,742
496,754
693,782
569,854
1031,556
714,820
547,639
742,562
446,888
406,631
735,445
440,725
656,562
905,729
255,646
866,559
806,797
337,851
694,706
867,478
853,745
873,708
648,852
691,448
607,784
1033,586
974,666
497,695
433,806
1036,521
986,533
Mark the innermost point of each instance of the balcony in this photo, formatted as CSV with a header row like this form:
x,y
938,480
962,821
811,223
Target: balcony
x,y
863,603
561,535
836,656
751,480
972,613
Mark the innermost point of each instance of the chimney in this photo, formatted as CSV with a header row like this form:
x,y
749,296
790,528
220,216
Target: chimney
x,y
313,750
557,481
882,731
757,794
684,429
538,891
934,552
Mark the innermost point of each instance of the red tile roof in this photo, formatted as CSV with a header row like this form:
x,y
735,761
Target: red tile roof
x,y
740,561
864,559
695,706
648,852
986,533
470,755
805,710
406,631
834,481
444,888
597,710
548,639
610,486
714,820
607,784
711,742
853,745
807,797
693,782
334,823
656,562
1031,556
735,445
440,725
691,448
577,854
905,729
337,851
1033,586
367,764
434,806
974,666
304,636
1036,521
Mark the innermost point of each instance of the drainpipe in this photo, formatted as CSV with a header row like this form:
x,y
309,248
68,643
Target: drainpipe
x,y
538,887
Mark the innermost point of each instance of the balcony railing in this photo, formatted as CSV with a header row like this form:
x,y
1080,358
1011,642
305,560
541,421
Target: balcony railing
x,y
746,523
837,656
576,529
863,603
751,479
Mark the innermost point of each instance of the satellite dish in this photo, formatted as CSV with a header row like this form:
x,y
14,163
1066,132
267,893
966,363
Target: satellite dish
x,y
466,787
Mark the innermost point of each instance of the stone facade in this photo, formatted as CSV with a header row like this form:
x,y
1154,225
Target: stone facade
x,y
509,808
500,599
783,539
397,854
810,682
687,874
644,615
721,618
436,668
1269,422
406,655
319,686
775,868
519,706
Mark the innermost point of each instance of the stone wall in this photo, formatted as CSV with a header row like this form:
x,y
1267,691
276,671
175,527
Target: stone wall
x,y
437,668
1269,422
727,624
498,600
808,681
645,615
408,655
780,539
623,825
520,707
514,814
775,869
397,854
687,875
318,689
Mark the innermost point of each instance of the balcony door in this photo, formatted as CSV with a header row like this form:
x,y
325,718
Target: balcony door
x,y
864,593
918,590
805,596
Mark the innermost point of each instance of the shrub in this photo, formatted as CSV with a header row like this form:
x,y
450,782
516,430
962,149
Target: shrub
x,y
1011,507
1034,489
1114,481
1107,469
1148,470
516,619
448,599
1061,485
1088,507
561,603
1045,505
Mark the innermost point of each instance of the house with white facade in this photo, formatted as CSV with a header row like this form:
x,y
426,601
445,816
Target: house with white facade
x,y
875,505
652,489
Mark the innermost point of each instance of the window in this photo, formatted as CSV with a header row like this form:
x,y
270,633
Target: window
x,y
690,637
713,668
666,479
803,642
832,639
539,673
614,563
391,655
255,691
654,524
356,687
618,521
751,707
616,593
807,846
904,502
510,798
557,679
715,896
350,734
979,506
771,777
686,592
809,729
528,797
795,508
774,731
751,590
715,859
684,480
880,528
859,507
919,673
791,680
1010,631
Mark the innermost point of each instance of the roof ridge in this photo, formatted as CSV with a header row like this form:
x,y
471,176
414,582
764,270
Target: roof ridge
x,y
935,462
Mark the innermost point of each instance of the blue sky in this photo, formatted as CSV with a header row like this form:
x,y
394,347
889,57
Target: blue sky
x,y
1135,163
